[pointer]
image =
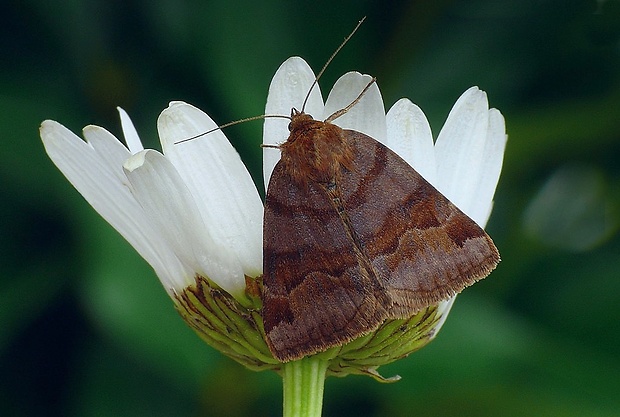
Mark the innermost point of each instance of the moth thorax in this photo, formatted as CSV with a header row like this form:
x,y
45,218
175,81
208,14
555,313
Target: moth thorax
x,y
315,151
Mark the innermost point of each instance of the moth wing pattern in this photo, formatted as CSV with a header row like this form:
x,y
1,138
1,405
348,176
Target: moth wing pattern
x,y
423,249
316,292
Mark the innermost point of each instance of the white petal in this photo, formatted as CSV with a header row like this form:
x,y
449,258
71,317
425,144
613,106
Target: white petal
x,y
409,135
129,131
108,149
288,89
460,147
212,170
171,207
491,166
95,170
366,116
443,309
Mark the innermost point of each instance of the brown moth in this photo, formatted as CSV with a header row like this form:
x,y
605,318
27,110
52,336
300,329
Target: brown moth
x,y
353,236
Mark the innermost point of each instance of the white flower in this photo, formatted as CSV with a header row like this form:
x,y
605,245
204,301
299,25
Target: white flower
x,y
191,210
463,164
194,209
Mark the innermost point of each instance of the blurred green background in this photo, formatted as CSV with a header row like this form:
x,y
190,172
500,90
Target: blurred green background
x,y
87,330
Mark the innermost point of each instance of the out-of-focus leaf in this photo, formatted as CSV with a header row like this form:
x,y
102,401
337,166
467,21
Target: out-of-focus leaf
x,y
572,210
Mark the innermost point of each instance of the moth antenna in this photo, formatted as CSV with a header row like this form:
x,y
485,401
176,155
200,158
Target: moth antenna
x,y
331,58
266,145
342,111
236,122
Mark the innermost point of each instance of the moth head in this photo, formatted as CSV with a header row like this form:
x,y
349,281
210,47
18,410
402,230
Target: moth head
x,y
300,122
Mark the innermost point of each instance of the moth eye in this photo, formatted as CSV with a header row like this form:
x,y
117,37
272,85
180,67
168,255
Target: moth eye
x,y
290,126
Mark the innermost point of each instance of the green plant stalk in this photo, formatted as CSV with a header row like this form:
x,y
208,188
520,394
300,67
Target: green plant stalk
x,y
304,381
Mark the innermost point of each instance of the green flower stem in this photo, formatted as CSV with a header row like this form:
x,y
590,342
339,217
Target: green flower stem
x,y
304,380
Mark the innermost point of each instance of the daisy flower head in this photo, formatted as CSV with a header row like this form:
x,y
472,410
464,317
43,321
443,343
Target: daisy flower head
x,y
194,214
